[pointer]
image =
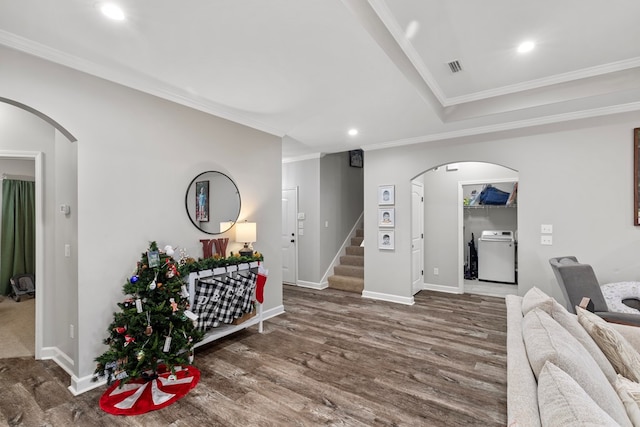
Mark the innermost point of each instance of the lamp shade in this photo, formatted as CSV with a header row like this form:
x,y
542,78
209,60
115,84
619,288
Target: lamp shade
x,y
246,232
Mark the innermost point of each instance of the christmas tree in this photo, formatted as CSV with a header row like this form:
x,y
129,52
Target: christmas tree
x,y
154,328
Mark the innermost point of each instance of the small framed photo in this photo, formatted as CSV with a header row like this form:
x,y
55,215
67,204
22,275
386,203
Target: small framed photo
x,y
386,239
386,195
202,201
153,258
356,158
386,217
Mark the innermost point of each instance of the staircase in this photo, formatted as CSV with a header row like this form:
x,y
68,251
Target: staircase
x,y
349,275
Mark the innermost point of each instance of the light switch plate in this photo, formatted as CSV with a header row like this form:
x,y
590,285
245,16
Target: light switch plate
x,y
546,240
301,215
546,228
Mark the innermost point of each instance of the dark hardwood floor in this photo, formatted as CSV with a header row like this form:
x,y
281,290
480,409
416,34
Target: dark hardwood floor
x,y
333,358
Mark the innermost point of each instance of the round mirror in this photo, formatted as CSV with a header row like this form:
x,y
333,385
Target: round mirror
x,y
212,202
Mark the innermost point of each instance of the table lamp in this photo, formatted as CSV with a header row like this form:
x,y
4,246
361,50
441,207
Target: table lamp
x,y
246,233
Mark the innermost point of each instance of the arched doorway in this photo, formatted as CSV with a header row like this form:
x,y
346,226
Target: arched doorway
x,y
446,251
33,136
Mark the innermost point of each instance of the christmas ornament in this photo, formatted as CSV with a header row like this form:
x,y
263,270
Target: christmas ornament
x,y
133,279
128,339
149,330
120,329
140,355
127,303
169,250
153,284
174,304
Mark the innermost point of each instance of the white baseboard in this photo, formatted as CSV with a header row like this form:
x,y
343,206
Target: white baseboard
x,y
388,297
273,312
441,288
313,285
84,384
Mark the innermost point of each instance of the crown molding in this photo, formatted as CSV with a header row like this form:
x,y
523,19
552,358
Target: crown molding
x,y
517,124
547,81
138,81
303,157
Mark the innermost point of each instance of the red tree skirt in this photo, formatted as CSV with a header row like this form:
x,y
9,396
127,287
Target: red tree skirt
x,y
138,396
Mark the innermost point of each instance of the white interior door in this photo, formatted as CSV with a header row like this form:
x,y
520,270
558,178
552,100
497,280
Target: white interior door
x,y
289,236
417,236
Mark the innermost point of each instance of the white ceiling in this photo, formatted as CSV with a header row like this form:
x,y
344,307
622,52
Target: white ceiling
x,y
309,70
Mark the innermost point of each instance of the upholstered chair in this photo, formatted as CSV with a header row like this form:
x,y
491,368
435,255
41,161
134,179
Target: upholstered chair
x,y
618,303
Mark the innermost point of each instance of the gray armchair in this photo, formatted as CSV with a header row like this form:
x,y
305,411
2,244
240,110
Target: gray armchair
x,y
577,281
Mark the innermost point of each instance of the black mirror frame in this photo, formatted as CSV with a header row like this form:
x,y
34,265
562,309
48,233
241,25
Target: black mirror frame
x,y
186,202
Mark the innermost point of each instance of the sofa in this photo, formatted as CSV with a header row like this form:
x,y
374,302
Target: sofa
x,y
566,369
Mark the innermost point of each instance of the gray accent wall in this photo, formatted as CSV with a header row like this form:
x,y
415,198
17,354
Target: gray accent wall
x,y
576,176
330,194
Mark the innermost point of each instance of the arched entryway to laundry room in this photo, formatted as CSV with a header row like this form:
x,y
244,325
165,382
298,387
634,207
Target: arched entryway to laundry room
x,y
31,137
448,221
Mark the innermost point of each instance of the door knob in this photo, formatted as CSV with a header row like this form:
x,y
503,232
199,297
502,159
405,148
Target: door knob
x,y
293,241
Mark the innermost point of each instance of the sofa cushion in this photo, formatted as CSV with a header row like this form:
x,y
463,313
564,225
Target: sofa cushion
x,y
624,358
564,403
534,298
629,393
545,340
537,298
522,401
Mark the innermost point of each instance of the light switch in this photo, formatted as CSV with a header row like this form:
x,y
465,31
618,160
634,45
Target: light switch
x,y
301,215
300,224
546,240
67,250
546,228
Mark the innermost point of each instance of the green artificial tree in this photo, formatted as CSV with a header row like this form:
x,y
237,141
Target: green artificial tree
x,y
154,328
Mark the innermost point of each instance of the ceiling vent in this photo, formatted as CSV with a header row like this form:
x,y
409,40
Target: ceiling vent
x,y
455,66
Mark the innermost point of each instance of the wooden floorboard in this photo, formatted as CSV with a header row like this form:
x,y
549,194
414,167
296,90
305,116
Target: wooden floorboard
x,y
333,358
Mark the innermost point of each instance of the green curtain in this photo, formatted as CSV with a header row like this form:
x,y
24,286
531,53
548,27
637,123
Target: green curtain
x,y
18,248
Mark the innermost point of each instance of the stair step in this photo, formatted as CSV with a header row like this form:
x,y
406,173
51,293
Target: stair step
x,y
346,283
355,250
360,232
352,260
356,241
349,270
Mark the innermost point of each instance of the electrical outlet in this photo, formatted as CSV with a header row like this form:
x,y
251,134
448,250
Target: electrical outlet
x,y
546,228
436,271
71,331
546,240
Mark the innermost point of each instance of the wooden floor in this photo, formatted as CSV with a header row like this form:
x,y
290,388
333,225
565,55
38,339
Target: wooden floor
x,y
333,358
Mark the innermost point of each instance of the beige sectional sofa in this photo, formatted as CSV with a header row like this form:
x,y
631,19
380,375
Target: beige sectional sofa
x,y
557,371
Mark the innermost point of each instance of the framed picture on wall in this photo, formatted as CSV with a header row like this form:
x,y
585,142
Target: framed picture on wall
x,y
386,195
386,217
202,201
386,239
356,158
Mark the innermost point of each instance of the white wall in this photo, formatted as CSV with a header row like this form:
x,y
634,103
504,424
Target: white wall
x,y
576,176
136,156
305,175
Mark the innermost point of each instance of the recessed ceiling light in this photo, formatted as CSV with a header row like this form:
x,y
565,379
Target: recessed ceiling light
x,y
112,11
353,132
412,30
526,46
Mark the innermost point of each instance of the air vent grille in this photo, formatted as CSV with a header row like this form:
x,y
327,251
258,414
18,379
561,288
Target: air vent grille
x,y
455,66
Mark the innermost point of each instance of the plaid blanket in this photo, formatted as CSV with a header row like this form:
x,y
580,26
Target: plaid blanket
x,y
221,299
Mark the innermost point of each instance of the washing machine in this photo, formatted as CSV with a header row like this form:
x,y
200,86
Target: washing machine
x,y
497,256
